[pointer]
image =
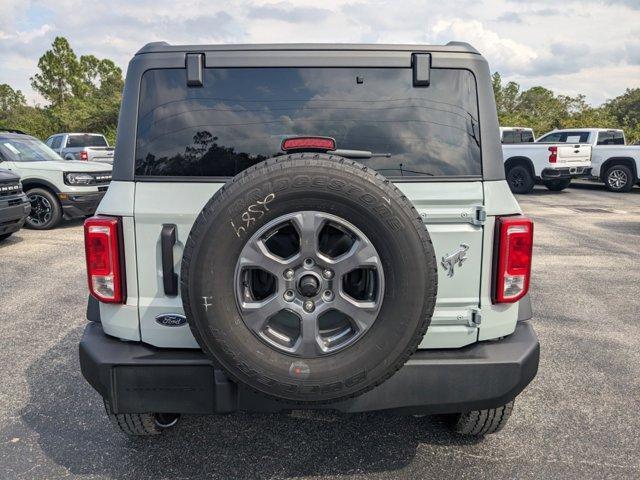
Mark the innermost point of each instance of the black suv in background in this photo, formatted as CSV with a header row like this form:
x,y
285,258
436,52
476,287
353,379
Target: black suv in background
x,y
14,205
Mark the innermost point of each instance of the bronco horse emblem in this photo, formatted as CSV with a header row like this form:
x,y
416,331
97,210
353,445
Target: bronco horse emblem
x,y
449,261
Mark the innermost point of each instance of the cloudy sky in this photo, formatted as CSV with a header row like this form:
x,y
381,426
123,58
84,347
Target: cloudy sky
x,y
585,46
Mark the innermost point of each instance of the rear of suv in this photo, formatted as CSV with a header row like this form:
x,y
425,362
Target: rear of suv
x,y
308,227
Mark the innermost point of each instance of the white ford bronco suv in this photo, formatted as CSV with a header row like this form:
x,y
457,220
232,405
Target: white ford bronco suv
x,y
56,188
308,227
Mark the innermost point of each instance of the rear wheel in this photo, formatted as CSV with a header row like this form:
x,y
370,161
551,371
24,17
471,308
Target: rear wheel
x,y
46,211
619,178
558,184
141,424
520,179
478,423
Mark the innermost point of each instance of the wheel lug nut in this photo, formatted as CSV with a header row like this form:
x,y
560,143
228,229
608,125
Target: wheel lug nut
x,y
327,295
288,295
288,274
328,274
309,306
308,262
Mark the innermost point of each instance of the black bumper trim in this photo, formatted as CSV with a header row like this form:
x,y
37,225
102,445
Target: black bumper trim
x,y
137,378
77,205
93,309
525,310
566,172
13,213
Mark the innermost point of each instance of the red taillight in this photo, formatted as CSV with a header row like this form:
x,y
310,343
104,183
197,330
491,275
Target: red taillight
x,y
553,155
513,266
102,247
308,143
84,156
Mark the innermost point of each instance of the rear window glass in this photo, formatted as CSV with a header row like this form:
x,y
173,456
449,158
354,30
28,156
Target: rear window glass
x,y
517,136
566,137
75,141
610,138
241,115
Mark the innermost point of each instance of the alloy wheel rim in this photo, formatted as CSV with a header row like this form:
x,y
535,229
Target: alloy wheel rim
x,y
309,307
617,179
517,180
40,209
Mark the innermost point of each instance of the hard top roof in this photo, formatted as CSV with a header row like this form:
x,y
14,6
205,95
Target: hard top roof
x,y
6,133
160,47
583,129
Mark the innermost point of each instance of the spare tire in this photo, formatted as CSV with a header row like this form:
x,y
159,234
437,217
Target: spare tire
x,y
309,278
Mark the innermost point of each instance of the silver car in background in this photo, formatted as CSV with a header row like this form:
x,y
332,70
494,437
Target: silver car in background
x,y
91,147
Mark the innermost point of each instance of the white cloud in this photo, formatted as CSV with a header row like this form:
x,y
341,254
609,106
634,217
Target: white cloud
x,y
26,37
534,41
507,55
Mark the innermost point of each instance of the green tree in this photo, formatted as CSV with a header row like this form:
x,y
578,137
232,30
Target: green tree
x,y
625,109
83,93
541,109
60,73
10,99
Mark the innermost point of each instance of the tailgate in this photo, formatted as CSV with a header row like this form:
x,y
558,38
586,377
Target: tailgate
x,y
100,153
574,153
450,211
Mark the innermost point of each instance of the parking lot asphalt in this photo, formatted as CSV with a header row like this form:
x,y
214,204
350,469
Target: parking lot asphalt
x,y
578,419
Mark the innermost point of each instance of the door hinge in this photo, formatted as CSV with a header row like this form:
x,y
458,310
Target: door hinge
x,y
476,318
475,215
480,215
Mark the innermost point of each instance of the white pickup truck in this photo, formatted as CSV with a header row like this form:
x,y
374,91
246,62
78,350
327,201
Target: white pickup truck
x,y
613,162
555,164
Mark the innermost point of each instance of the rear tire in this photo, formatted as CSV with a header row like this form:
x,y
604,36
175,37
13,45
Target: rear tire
x,y
618,178
557,185
141,424
479,423
46,211
520,179
225,313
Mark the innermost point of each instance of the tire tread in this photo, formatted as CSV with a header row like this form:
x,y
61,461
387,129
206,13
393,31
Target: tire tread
x,y
478,423
133,424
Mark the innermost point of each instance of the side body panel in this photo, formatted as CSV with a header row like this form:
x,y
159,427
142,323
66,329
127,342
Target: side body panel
x,y
122,320
602,153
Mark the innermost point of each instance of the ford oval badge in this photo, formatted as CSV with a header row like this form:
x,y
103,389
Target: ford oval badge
x,y
171,320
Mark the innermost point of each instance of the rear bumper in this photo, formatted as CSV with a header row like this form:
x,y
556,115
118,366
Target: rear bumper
x,y
137,378
565,172
13,213
77,205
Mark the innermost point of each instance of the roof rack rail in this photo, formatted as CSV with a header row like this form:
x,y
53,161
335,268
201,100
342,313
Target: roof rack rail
x,y
164,47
